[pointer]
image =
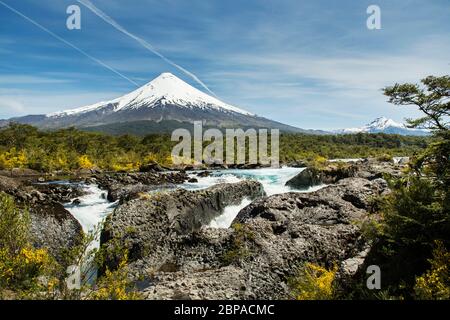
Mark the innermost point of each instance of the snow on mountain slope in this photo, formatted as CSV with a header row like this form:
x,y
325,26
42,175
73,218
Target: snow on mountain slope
x,y
383,125
166,89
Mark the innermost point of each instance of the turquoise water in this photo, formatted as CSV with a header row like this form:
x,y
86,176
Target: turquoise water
x,y
273,181
94,207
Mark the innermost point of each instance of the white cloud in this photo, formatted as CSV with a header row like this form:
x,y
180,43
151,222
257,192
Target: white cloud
x,y
23,102
10,105
26,79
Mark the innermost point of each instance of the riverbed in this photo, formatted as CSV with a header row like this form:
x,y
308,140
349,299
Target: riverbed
x,y
93,207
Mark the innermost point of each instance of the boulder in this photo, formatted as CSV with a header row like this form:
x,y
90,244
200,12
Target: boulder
x,y
149,224
52,226
123,186
305,179
334,171
270,240
62,193
203,174
150,167
125,192
9,185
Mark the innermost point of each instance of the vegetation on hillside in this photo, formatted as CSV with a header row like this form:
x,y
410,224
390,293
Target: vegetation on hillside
x,y
23,146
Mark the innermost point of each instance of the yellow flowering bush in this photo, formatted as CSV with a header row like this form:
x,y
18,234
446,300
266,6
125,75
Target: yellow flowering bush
x,y
29,273
23,269
314,283
114,285
33,273
125,167
318,162
435,283
84,162
13,159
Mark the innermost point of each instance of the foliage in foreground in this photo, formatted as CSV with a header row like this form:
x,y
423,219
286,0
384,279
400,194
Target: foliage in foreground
x,y
412,242
314,282
33,273
435,283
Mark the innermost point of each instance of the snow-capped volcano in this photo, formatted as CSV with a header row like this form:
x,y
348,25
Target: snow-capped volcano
x,y
166,89
384,125
166,99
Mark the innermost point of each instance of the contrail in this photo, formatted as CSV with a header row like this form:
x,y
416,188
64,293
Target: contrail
x,y
68,43
88,4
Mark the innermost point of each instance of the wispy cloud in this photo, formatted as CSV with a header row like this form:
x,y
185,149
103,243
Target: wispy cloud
x,y
10,105
28,101
141,41
54,35
27,79
312,64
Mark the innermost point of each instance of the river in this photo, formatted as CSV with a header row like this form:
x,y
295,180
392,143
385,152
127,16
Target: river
x,y
94,207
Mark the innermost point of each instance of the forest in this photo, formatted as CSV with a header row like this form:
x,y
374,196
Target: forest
x,y
66,150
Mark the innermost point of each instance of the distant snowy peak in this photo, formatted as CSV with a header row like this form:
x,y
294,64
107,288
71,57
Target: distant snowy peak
x,y
384,125
166,89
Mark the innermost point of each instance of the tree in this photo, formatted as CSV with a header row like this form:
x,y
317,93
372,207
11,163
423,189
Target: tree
x,y
416,213
433,101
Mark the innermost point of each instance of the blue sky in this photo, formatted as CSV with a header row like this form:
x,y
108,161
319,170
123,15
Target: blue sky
x,y
312,64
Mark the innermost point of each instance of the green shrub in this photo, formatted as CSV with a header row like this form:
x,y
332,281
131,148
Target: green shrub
x,y
238,250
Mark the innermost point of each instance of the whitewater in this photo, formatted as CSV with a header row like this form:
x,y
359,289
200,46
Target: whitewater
x,y
94,207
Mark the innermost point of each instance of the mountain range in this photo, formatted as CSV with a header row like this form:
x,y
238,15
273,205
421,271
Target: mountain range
x,y
164,103
384,125
167,103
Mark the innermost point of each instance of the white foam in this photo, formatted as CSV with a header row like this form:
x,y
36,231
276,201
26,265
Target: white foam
x,y
272,179
92,210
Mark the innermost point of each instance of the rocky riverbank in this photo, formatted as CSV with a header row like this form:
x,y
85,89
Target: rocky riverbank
x,y
174,255
151,226
52,226
331,172
128,185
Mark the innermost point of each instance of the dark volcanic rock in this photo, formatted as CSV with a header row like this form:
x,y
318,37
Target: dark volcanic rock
x,y
203,174
151,167
334,171
270,240
305,179
62,193
9,185
52,226
20,173
148,224
122,186
340,203
127,192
